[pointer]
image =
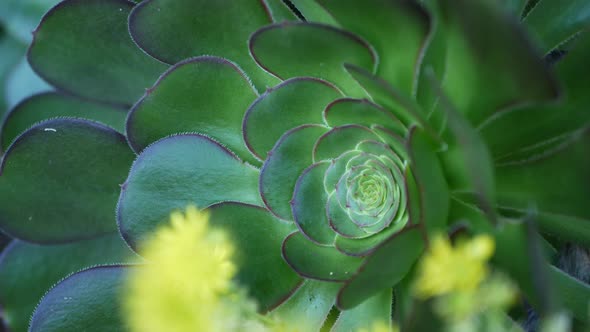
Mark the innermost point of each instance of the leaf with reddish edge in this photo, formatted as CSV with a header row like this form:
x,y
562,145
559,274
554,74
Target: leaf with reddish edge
x,y
29,270
206,94
340,221
282,108
309,205
341,139
177,171
173,30
397,29
292,49
84,301
285,162
374,310
387,265
49,105
257,236
60,180
83,47
362,112
318,262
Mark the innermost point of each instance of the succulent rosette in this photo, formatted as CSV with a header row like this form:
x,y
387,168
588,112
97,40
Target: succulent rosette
x,y
330,139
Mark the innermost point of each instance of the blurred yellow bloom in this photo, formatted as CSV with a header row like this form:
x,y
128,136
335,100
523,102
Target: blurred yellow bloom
x,y
380,326
181,287
446,269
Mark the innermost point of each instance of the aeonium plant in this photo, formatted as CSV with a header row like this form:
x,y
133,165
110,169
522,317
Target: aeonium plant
x,y
329,145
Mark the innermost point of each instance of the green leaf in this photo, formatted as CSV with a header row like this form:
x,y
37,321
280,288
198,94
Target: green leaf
x,y
374,310
314,12
513,135
280,11
60,181
173,30
292,49
309,205
397,30
85,301
318,262
555,184
83,47
430,180
257,236
341,139
312,301
175,172
49,105
27,271
515,256
382,93
366,246
20,17
554,21
574,293
388,264
362,112
484,76
286,161
208,95
293,103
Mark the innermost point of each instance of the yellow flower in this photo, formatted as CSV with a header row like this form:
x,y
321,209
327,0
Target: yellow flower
x,y
182,287
446,269
380,326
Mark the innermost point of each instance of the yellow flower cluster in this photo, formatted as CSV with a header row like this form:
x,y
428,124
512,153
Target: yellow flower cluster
x,y
446,269
180,288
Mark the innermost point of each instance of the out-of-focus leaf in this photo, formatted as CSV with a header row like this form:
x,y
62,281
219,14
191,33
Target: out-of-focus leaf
x,y
313,301
374,310
555,21
534,131
485,75
27,271
86,301
60,181
314,12
175,172
83,47
556,184
430,180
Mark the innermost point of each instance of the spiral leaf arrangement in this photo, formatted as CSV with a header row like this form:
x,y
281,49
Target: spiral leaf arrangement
x,y
330,139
